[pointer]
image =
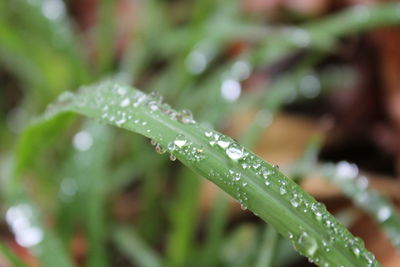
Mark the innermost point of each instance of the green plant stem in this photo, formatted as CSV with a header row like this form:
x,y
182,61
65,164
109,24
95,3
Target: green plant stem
x,y
268,248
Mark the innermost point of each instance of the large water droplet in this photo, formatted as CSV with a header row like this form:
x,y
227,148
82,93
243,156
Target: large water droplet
x,y
234,152
186,117
318,209
345,170
223,143
384,213
180,140
230,90
53,9
307,244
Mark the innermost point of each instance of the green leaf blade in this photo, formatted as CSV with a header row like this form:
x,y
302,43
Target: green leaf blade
x,y
257,185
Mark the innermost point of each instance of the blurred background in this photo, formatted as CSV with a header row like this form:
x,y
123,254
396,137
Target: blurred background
x,y
309,85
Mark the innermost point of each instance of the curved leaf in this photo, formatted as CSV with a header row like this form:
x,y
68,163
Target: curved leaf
x,y
257,185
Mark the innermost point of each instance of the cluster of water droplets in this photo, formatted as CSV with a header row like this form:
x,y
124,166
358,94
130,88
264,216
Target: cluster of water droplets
x,y
303,241
119,105
355,186
21,220
185,148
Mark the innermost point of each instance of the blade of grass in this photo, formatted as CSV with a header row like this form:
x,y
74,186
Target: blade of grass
x,y
355,187
240,246
106,13
150,221
132,246
323,33
267,252
12,259
256,184
92,171
215,231
34,234
183,219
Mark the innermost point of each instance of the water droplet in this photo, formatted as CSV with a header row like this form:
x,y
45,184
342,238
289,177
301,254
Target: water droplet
x,y
362,182
282,190
180,140
157,98
122,90
125,102
160,149
256,166
369,257
266,174
241,70
310,86
245,165
82,141
172,157
153,105
198,59
139,100
223,143
307,244
121,121
356,251
290,235
295,203
186,117
20,218
208,134
318,209
234,152
65,96
53,9
171,146
384,213
300,37
230,90
196,62
345,170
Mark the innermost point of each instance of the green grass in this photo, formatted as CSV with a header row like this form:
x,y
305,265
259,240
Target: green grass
x,y
257,185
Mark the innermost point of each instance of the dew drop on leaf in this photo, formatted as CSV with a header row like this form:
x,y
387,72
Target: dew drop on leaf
x,y
234,152
125,102
172,157
180,140
307,244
